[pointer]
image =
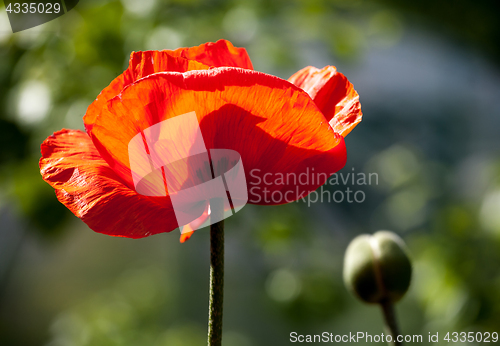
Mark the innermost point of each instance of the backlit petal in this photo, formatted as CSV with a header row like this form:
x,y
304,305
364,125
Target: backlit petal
x,y
88,187
188,230
141,64
218,54
186,235
334,95
272,124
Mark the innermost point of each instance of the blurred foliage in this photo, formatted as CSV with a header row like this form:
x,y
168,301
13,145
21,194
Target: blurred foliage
x,y
438,179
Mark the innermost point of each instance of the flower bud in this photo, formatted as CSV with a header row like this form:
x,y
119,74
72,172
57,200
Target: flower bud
x,y
377,267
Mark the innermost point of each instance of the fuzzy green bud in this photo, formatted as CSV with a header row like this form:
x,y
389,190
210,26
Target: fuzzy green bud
x,y
377,267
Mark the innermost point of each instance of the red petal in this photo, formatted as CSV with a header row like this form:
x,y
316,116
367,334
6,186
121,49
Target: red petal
x,y
145,63
219,54
334,95
141,64
113,89
275,126
186,235
188,230
88,187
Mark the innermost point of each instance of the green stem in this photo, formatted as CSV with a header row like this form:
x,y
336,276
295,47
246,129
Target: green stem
x,y
390,322
216,274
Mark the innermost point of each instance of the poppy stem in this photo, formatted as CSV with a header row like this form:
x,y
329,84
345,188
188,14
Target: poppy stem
x,y
391,323
216,273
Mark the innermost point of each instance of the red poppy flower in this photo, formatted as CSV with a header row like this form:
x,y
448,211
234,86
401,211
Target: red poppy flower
x,y
278,127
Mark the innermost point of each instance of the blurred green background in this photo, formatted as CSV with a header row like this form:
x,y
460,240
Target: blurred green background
x,y
428,77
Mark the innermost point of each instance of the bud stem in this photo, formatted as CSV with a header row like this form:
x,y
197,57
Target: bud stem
x,y
216,274
390,322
